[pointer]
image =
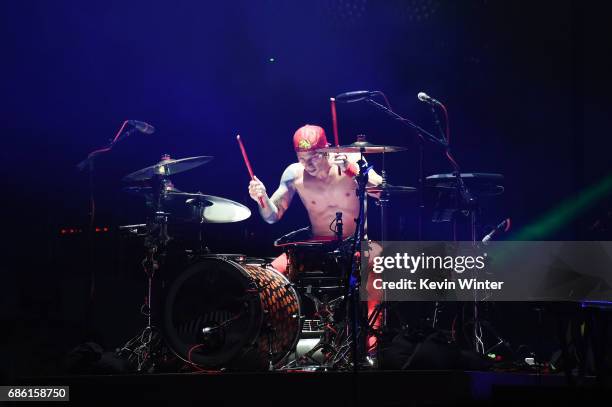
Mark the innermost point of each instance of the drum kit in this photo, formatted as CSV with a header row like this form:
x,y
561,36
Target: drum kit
x,y
230,311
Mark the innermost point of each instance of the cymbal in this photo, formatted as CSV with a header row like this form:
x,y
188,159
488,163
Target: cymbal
x,y
214,209
362,147
167,167
196,207
390,189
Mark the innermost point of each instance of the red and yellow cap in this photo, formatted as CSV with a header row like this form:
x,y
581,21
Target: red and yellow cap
x,y
309,138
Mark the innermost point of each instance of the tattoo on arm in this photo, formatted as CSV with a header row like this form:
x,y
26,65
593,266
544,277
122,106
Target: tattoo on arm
x,y
281,198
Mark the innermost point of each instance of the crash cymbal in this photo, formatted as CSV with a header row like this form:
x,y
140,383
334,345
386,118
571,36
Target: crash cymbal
x,y
362,147
195,207
166,167
214,209
390,189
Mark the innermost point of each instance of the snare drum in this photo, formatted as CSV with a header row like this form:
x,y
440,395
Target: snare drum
x,y
320,261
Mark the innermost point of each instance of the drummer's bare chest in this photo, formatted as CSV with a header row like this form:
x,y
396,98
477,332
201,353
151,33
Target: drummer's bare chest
x,y
333,192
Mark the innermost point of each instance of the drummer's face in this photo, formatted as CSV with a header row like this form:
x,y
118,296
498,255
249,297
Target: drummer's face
x,y
312,162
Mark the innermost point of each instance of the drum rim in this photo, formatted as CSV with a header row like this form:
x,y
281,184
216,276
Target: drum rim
x,y
299,317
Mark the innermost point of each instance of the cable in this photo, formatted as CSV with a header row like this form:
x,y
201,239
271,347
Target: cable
x,y
195,366
385,98
335,229
446,122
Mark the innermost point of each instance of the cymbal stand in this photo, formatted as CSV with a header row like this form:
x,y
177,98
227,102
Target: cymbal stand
x,y
144,349
383,203
354,313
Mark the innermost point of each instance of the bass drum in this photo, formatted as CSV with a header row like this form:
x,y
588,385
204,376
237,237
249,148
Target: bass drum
x,y
228,311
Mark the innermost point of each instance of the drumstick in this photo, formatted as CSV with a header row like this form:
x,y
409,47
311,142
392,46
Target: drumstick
x,y
335,124
248,165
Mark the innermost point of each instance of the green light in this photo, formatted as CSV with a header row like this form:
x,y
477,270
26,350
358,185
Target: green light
x,y
564,213
271,59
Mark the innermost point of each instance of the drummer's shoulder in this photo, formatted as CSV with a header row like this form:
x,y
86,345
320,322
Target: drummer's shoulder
x,y
292,173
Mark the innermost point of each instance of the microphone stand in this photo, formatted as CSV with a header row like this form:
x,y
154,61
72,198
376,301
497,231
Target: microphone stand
x,y
421,186
423,134
88,164
468,200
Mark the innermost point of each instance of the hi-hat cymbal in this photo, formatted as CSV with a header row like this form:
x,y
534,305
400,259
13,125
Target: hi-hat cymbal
x,y
167,167
390,189
364,147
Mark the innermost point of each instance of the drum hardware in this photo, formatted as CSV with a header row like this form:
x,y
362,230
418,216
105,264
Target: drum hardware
x,y
142,348
189,208
357,337
467,201
459,194
384,191
339,226
330,338
389,189
357,334
319,269
166,204
453,196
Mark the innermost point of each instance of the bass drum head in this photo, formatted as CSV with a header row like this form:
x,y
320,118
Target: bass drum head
x,y
212,313
232,312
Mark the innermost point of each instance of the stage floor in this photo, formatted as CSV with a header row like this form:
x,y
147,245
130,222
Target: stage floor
x,y
366,388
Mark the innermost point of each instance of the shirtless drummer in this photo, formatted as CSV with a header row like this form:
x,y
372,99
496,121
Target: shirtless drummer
x,y
322,190
316,180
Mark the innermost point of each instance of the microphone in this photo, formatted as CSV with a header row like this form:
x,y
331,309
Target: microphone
x,y
505,225
424,97
355,96
142,127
